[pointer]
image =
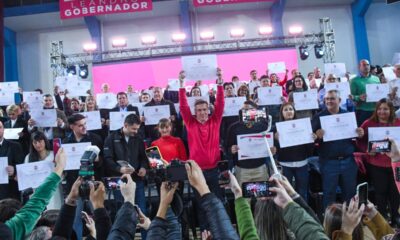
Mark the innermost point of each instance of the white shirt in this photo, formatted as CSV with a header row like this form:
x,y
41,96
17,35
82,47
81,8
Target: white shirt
x,y
13,123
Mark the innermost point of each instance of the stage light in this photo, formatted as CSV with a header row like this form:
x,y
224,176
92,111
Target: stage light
x,y
89,47
71,70
237,33
119,43
303,50
83,70
319,50
178,37
206,35
265,30
149,40
295,30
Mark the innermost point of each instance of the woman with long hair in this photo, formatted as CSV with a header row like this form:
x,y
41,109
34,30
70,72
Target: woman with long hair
x,y
243,91
299,85
379,168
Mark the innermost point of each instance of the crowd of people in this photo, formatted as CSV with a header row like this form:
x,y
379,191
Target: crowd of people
x,y
200,137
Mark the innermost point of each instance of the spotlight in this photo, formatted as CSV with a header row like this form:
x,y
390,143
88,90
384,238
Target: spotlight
x,y
89,47
295,30
265,30
319,50
237,33
206,35
303,49
119,43
149,40
83,70
178,37
71,70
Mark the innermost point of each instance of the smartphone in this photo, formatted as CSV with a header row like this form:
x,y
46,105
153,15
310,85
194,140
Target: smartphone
x,y
223,177
123,163
397,176
155,157
379,146
257,189
56,145
112,183
362,193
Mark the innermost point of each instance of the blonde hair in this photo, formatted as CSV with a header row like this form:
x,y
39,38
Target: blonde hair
x,y
11,108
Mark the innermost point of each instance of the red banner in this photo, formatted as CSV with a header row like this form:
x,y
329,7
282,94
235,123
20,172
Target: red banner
x,y
83,8
201,3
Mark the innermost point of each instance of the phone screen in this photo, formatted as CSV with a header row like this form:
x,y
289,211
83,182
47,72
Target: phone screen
x,y
379,146
113,183
56,145
223,177
155,157
257,189
397,169
362,192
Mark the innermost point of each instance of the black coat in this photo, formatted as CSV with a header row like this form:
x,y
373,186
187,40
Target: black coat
x,y
25,138
13,151
124,226
129,108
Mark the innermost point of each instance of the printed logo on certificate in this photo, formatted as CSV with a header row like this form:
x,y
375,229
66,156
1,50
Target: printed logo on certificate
x,y
252,146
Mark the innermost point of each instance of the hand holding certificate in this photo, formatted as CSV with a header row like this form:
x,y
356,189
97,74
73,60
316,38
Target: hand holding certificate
x,y
153,114
78,88
117,119
337,69
173,85
44,117
6,98
277,67
33,99
93,120
253,146
339,126
32,175
269,95
3,170
74,153
295,132
376,92
233,105
12,133
306,100
200,67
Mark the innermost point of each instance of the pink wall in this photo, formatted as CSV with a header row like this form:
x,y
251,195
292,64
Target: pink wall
x,y
143,74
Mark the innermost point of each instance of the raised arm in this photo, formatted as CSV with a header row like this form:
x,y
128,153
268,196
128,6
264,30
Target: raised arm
x,y
183,104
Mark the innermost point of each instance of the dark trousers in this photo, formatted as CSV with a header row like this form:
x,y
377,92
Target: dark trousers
x,y
386,194
362,115
300,175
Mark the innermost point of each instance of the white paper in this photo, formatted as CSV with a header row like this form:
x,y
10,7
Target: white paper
x,y
376,92
306,100
200,67
33,99
3,171
117,119
252,85
62,82
177,108
32,175
204,90
381,133
12,133
173,84
93,120
140,106
294,132
269,95
277,67
337,69
11,87
213,86
395,83
342,87
192,100
318,81
153,114
339,126
106,100
78,88
133,97
253,146
233,105
389,74
74,153
6,98
44,117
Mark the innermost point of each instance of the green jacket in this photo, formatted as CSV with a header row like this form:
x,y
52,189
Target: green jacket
x,y
245,221
302,224
25,219
357,87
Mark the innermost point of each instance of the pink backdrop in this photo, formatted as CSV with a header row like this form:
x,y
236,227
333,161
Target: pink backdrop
x,y
143,74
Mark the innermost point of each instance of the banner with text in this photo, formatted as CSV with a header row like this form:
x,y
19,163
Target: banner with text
x,y
84,8
201,3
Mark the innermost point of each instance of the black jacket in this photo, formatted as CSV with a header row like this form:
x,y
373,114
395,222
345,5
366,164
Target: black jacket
x,y
116,148
220,224
13,151
129,108
102,222
25,138
65,221
124,226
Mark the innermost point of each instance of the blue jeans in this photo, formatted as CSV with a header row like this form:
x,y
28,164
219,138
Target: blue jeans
x,y
300,175
174,230
78,222
341,173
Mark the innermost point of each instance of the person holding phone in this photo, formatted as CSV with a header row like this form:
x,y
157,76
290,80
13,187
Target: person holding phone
x,y
379,168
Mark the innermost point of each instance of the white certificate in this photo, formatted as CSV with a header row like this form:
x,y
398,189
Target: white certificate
x,y
11,87
173,84
177,108
12,133
62,82
140,106
32,175
339,126
44,117
389,74
200,67
78,88
192,100
153,114
277,67
3,171
6,98
117,119
306,100
269,95
233,105
93,120
294,132
253,146
337,69
253,85
106,100
33,99
381,133
74,153
204,90
342,87
376,92
133,97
